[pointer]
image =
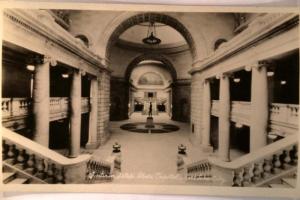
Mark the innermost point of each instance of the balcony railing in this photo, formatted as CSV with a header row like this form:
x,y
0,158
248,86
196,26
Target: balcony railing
x,y
282,117
240,111
59,107
17,109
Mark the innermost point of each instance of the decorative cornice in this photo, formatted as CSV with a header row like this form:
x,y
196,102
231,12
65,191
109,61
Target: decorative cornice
x,y
42,23
259,30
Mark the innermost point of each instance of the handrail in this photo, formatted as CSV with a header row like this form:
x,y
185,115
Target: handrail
x,y
25,173
41,150
257,155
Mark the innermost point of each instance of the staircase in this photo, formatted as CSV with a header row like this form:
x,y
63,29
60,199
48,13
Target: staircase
x,y
13,175
288,181
274,165
25,161
20,167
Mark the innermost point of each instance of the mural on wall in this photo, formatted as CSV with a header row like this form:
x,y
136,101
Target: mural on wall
x,y
150,78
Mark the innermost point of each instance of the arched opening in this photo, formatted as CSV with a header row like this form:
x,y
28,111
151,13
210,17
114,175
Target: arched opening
x,y
153,18
127,41
147,74
83,39
150,83
219,42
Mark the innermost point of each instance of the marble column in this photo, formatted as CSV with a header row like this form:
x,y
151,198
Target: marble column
x,y
41,102
224,118
75,120
206,112
259,107
92,142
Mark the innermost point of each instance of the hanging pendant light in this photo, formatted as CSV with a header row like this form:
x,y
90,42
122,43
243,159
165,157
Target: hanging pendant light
x,y
151,38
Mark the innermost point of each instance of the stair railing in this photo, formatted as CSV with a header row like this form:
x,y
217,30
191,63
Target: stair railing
x,y
261,166
42,162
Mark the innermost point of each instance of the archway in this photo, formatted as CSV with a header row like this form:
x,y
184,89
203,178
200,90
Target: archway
x,y
150,17
158,57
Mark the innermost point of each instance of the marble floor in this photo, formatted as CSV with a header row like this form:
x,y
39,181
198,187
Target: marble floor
x,y
149,155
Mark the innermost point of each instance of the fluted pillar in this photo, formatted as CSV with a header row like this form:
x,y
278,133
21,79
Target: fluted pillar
x,y
259,107
75,120
41,101
92,142
224,119
206,111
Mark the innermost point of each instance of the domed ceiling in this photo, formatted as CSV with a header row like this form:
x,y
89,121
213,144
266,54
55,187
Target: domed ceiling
x,y
169,36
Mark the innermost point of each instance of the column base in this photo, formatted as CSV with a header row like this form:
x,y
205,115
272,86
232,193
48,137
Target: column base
x,y
207,148
92,145
225,159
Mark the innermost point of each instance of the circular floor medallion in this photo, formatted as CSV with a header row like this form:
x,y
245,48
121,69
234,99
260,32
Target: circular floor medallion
x,y
141,128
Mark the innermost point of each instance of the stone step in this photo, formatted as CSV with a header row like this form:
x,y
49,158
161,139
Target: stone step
x,y
18,181
290,181
7,176
279,186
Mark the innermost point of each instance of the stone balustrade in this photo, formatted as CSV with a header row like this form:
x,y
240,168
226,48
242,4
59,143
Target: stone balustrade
x,y
260,167
240,111
285,113
281,115
40,163
98,171
215,108
85,104
15,107
198,170
20,108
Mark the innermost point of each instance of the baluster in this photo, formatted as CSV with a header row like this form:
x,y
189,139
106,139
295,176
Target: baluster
x,y
294,155
40,167
267,167
236,180
207,170
286,159
11,154
21,159
31,164
276,164
256,172
59,176
246,180
4,149
98,168
50,172
21,106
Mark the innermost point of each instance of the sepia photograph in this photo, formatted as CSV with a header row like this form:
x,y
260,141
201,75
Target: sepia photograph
x,y
118,96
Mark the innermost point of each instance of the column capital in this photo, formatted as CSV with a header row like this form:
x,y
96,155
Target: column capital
x,y
50,59
259,64
82,72
206,81
36,59
223,75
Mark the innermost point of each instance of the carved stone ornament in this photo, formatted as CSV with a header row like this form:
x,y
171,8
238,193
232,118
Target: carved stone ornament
x,y
52,61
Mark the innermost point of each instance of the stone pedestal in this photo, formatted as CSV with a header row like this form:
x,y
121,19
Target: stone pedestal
x,y
149,122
